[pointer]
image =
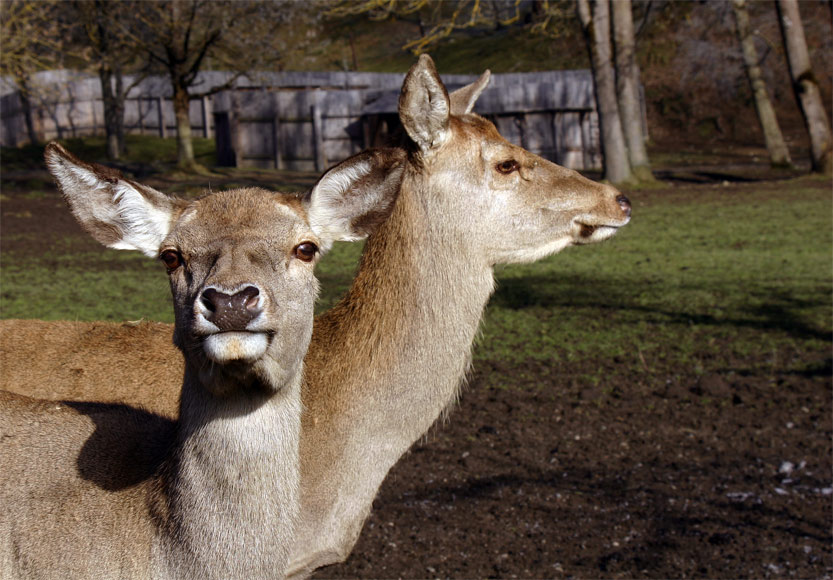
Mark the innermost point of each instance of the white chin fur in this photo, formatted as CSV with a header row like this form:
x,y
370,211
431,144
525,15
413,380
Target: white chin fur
x,y
600,233
603,233
229,346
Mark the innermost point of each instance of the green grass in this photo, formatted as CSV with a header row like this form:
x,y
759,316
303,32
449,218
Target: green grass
x,y
91,285
142,149
734,275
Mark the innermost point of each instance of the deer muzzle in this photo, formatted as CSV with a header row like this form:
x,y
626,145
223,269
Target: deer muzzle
x,y
228,322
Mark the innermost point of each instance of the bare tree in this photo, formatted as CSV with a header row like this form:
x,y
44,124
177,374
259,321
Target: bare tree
x,y
444,18
594,16
110,52
28,41
779,155
627,85
805,86
182,36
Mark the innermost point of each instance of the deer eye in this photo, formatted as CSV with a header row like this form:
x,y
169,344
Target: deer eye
x,y
508,166
172,259
305,251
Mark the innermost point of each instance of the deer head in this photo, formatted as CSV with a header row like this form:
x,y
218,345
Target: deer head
x,y
500,202
240,262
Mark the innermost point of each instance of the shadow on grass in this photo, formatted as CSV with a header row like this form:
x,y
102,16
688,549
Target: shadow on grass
x,y
699,176
764,310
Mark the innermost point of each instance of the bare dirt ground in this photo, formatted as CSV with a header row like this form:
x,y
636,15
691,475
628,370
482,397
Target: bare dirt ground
x,y
725,475
539,482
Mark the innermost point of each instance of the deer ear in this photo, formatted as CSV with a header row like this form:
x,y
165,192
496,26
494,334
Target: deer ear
x,y
118,213
463,99
353,198
424,106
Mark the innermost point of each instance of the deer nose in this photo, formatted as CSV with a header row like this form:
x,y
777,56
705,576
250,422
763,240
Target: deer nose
x,y
231,312
625,204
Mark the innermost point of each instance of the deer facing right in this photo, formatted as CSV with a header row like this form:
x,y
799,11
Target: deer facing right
x,y
93,490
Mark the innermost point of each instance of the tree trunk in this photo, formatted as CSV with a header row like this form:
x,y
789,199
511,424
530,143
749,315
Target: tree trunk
x,y
121,97
627,85
594,16
184,144
26,104
111,111
779,155
805,86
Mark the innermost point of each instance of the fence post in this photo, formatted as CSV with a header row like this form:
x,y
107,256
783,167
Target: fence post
x,y
318,138
586,141
141,116
160,113
277,143
236,132
206,118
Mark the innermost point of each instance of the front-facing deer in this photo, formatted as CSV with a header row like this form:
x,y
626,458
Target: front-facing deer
x,y
108,491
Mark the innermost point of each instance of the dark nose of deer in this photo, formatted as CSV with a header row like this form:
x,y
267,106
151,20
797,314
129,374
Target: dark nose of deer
x,y
625,204
231,312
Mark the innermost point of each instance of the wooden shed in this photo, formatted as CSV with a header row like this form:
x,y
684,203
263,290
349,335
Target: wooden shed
x,y
308,122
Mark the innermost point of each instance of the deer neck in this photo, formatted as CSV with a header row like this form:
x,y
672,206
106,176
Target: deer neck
x,y
383,365
232,482
401,339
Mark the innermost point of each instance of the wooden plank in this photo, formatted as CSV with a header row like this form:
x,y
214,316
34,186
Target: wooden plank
x,y
591,139
205,107
297,138
256,139
341,127
338,149
277,142
160,116
568,140
538,134
353,108
235,129
318,139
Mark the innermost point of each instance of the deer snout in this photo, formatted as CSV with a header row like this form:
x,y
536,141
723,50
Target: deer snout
x,y
625,204
231,312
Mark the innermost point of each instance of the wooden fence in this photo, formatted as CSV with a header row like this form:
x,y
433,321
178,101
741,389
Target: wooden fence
x,y
308,121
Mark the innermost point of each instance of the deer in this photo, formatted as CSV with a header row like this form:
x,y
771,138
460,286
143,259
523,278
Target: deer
x,y
98,490
388,359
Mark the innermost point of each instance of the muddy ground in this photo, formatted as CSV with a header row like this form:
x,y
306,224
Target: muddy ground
x,y
724,475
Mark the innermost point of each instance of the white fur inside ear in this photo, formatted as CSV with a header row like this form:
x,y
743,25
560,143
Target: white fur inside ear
x,y
141,219
330,212
144,225
435,132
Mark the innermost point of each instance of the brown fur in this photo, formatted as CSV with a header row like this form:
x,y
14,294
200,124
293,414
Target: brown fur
x,y
132,363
